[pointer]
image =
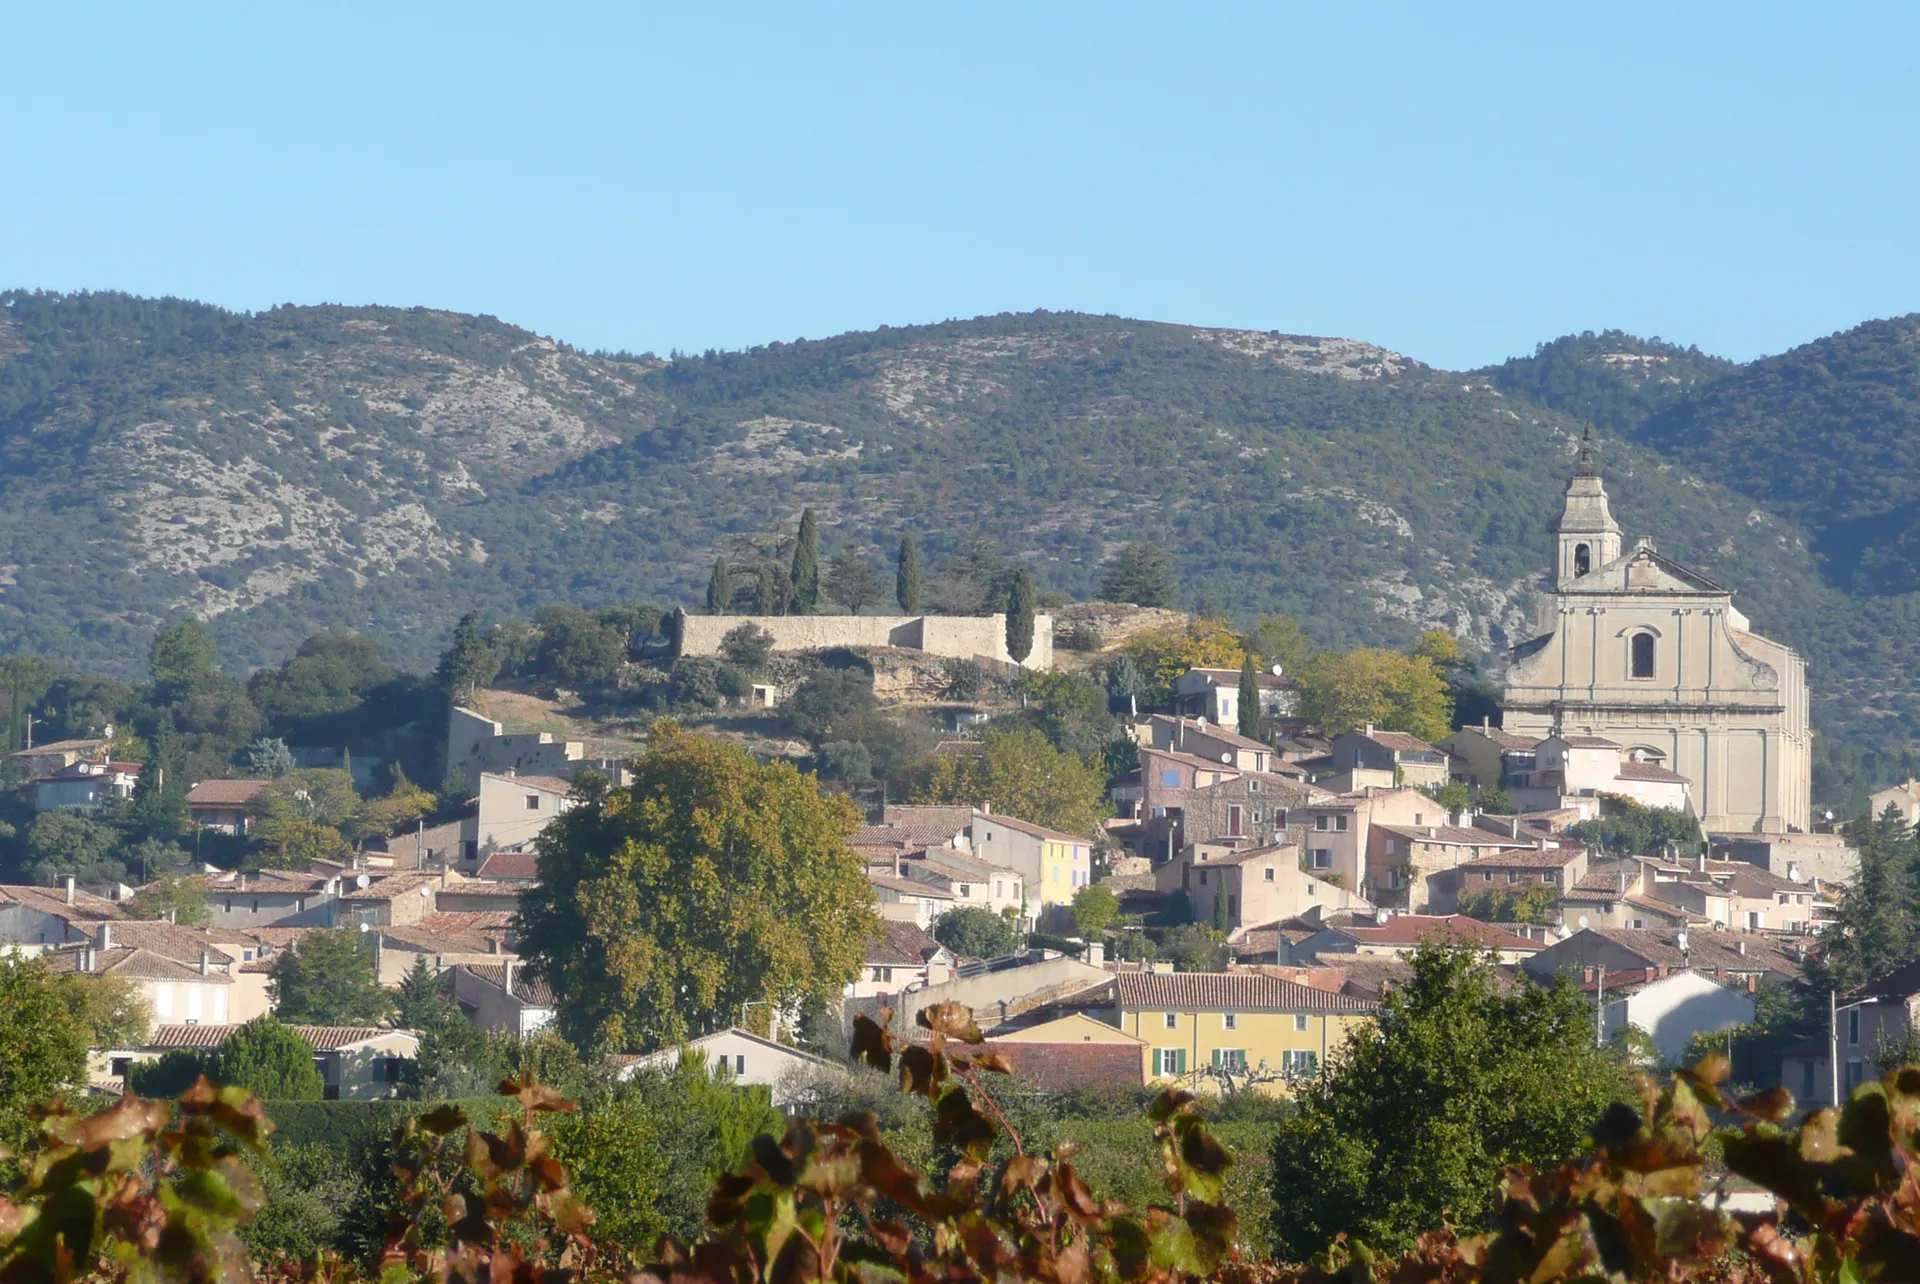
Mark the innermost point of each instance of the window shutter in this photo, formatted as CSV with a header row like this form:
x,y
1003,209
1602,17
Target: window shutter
x,y
1180,1060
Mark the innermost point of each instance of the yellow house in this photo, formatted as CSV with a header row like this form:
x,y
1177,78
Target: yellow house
x,y
1193,1022
1055,865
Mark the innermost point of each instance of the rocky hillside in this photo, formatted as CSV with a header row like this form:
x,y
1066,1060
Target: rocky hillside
x,y
386,469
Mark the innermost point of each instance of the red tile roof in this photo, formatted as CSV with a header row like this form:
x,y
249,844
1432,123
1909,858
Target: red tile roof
x,y
546,784
323,1038
1400,741
528,990
1650,771
1070,1067
1228,991
519,865
901,945
228,793
1526,858
1411,929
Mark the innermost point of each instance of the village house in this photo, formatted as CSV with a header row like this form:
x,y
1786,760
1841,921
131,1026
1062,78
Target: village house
x,y
1876,1031
84,786
1399,935
270,898
1574,766
173,992
742,1057
1741,959
1422,868
45,760
1671,1009
1339,829
1904,798
355,1063
1156,796
903,900
1214,695
515,808
500,997
1802,858
1207,741
396,900
1254,808
1073,1053
1231,1022
222,805
1243,887
50,916
1405,759
972,882
902,957
1055,865
443,940
221,950
1487,757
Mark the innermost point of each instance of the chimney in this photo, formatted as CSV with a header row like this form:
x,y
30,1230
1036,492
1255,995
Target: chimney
x,y
204,962
1369,729
69,889
1742,946
986,808
1703,862
1486,724
506,976
106,936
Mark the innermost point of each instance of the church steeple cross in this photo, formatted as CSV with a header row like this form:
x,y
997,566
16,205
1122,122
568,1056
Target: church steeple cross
x,y
1586,458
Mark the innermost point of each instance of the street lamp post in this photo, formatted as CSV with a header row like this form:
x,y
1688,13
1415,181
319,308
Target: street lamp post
x,y
1834,1009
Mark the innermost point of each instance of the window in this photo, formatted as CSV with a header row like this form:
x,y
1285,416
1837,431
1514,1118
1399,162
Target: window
x,y
1300,1022
999,888
1321,823
883,974
1173,1020
740,1063
1340,824
1390,847
966,891
1169,1061
1855,1071
533,802
387,1070
1170,779
1641,649
1853,1028
1267,874
1320,857
1233,907
1582,559
1203,878
1300,1065
1229,1021
1513,876
1229,1059
1546,876
1356,758
1754,918
1236,822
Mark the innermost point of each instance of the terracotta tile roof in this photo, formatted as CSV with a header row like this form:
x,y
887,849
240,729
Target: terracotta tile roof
x,y
1071,1067
545,784
1190,760
1586,742
1399,741
534,993
901,945
323,1038
230,793
1708,950
85,906
1229,991
1454,835
1028,827
1650,771
471,921
1241,856
286,881
1505,739
64,746
136,964
169,940
385,889
960,865
927,814
906,833
1411,929
904,887
515,865
1368,975
1526,858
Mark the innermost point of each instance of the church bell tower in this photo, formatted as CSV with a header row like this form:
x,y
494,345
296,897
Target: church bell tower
x,y
1588,537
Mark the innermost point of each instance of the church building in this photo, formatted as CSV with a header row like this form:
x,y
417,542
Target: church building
x,y
1637,649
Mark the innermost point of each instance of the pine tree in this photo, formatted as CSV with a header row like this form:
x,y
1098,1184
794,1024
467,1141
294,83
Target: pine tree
x,y
1125,683
806,564
469,661
1249,699
719,588
906,585
1020,617
1141,574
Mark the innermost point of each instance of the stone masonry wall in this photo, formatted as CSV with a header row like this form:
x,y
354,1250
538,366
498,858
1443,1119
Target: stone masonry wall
x,y
958,636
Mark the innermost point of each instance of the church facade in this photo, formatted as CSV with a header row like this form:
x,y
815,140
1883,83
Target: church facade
x,y
1647,653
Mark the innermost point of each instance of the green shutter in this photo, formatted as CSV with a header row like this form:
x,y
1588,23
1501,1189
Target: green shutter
x,y
1180,1060
1216,1058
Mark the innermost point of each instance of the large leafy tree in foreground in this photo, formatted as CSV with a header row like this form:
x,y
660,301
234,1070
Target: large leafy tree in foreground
x,y
1422,1109
709,882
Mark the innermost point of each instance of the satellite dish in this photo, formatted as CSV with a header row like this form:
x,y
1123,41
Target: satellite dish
x,y
365,928
1278,671
1583,922
1681,940
1227,758
424,890
1380,916
362,881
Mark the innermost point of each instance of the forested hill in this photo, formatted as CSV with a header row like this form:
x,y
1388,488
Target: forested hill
x,y
385,469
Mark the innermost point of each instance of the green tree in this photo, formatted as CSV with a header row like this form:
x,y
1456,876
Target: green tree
x,y
766,592
832,702
63,844
906,580
719,588
25,679
1452,796
1193,947
1140,573
1021,775
1497,802
269,1060
1416,1117
469,663
268,758
1249,710
806,564
853,581
1020,616
42,1048
168,1075
710,881
644,1154
1872,931
748,646
109,1010
182,653
1094,910
1125,685
974,932
1395,692
177,897
1279,639
417,1002
327,978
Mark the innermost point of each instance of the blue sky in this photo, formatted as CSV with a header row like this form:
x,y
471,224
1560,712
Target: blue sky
x,y
1457,187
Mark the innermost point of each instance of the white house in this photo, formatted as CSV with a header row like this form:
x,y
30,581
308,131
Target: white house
x,y
745,1057
901,957
1214,694
85,785
515,808
1674,1008
500,997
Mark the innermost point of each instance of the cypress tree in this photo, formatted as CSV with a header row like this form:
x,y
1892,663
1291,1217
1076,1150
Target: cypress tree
x,y
765,593
1020,616
806,564
906,585
1249,699
719,589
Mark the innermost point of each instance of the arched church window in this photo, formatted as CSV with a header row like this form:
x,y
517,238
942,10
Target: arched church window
x,y
1582,559
1642,655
